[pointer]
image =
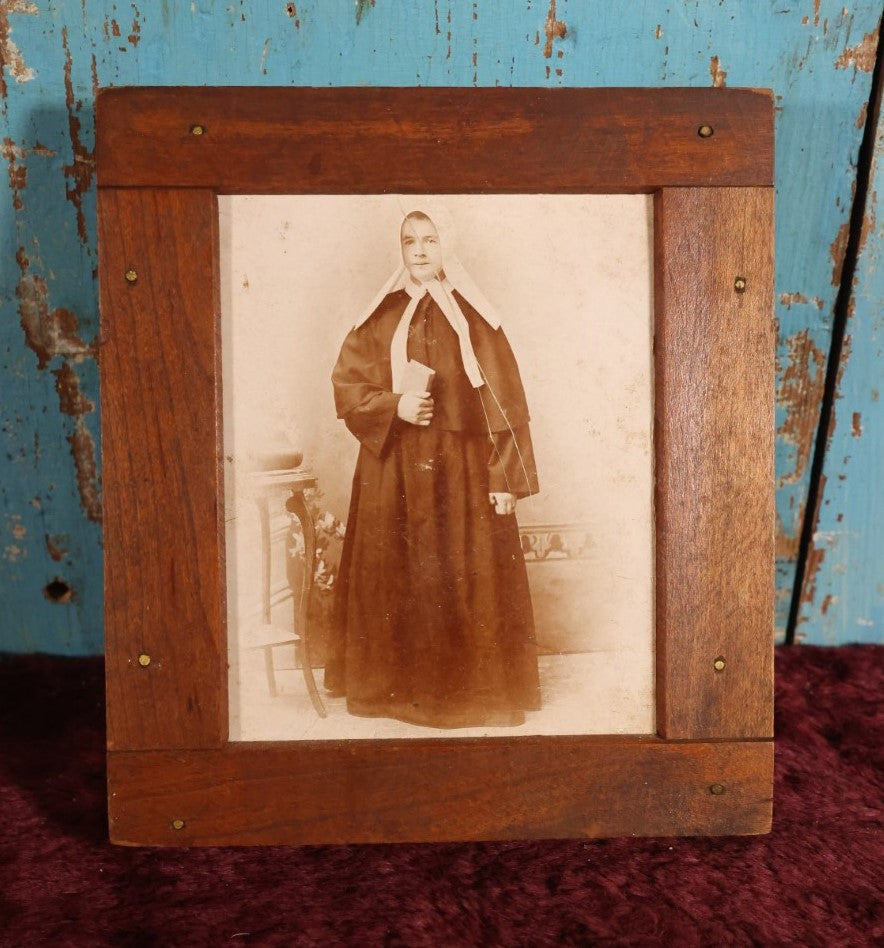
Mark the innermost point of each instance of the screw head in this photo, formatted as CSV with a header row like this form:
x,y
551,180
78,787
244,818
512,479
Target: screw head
x,y
705,131
178,824
740,284
131,275
197,130
144,660
716,789
719,663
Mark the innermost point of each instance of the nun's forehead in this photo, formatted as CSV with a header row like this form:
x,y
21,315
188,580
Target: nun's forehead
x,y
408,223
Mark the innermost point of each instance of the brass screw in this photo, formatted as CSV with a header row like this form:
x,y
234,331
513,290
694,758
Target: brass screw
x,y
705,131
197,130
131,276
716,789
718,664
178,824
740,284
144,660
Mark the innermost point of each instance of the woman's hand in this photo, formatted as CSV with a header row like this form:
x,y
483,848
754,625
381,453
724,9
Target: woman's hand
x,y
416,408
503,503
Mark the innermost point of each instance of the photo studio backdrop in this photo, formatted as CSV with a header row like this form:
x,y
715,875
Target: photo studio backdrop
x,y
818,57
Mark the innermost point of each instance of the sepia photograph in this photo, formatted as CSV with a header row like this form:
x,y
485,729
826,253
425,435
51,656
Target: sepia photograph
x,y
439,466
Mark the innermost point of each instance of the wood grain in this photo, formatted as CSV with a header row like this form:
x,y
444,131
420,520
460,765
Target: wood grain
x,y
164,562
714,362
399,791
433,140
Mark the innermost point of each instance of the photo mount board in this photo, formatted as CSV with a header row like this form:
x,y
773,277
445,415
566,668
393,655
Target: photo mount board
x,y
164,156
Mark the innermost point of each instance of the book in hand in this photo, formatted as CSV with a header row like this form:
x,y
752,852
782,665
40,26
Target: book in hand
x,y
417,377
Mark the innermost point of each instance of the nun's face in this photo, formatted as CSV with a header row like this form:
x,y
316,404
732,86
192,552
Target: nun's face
x,y
421,251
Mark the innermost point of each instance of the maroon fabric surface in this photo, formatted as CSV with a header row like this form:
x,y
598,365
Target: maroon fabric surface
x,y
814,881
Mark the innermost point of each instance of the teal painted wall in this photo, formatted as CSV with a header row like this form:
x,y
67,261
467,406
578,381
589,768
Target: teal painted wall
x,y
817,56
843,589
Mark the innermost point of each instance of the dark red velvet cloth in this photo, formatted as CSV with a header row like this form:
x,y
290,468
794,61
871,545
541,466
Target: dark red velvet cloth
x,y
816,880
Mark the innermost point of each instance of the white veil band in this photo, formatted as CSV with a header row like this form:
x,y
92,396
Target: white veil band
x,y
442,291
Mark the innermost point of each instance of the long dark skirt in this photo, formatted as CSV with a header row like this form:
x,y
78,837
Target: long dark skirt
x,y
433,619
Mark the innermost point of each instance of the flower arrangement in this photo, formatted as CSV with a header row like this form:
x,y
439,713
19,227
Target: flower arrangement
x,y
329,539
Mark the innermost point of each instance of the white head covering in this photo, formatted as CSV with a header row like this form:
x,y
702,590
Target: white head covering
x,y
455,278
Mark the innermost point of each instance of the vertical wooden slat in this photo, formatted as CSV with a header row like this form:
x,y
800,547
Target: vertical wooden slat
x,y
715,485
841,596
162,486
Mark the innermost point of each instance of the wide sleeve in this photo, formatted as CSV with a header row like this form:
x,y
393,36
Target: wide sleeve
x,y
511,466
363,395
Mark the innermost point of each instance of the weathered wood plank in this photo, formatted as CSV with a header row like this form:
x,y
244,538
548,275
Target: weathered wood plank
x,y
843,592
525,788
322,141
714,462
164,563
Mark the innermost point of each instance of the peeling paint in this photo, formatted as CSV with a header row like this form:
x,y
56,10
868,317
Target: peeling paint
x,y
863,115
862,56
48,333
74,403
135,36
83,452
264,53
56,546
362,7
18,173
10,56
718,74
800,393
71,399
79,173
16,156
856,426
816,555
785,545
18,530
554,29
790,299
837,252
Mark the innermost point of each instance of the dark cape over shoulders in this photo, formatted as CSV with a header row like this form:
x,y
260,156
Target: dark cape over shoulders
x,y
365,363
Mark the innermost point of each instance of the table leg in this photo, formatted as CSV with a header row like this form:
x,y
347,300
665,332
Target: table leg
x,y
296,505
264,514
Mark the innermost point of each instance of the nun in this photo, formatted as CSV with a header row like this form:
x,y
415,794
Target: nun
x,y
433,622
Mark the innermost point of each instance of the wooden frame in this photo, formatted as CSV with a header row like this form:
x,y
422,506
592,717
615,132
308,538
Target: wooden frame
x,y
163,157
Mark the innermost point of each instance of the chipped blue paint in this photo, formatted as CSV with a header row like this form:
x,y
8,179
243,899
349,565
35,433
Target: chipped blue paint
x,y
58,50
844,590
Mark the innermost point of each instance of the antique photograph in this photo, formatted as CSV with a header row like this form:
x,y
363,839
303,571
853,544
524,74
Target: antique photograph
x,y
438,444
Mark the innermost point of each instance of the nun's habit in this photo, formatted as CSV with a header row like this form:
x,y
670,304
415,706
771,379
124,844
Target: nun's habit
x,y
432,620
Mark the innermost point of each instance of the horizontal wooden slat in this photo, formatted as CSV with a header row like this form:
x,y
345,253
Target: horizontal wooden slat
x,y
164,563
372,791
714,359
370,140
